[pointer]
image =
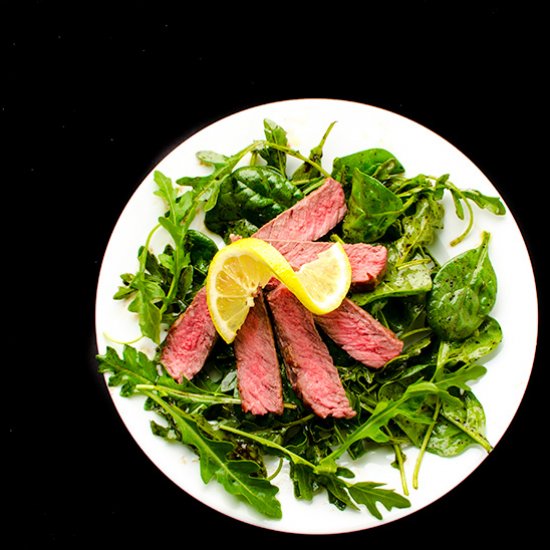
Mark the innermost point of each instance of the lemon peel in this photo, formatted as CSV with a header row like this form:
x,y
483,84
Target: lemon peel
x,y
239,269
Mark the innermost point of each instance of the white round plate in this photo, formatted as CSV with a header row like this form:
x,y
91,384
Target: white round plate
x,y
358,127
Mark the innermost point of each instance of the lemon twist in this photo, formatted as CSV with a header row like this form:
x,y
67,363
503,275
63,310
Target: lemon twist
x,y
239,269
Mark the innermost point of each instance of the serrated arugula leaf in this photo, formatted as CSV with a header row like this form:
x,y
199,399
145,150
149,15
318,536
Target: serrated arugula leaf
x,y
239,477
132,368
137,374
274,157
309,171
369,494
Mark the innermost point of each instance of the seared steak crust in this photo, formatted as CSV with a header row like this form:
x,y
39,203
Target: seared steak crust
x,y
360,334
307,360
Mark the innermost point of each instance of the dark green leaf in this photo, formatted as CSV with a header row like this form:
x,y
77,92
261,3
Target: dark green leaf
x,y
254,193
274,157
463,293
405,280
418,229
460,425
201,249
239,477
480,343
368,162
372,208
307,172
493,204
370,494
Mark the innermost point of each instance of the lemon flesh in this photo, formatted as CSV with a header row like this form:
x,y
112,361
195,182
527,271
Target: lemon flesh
x,y
238,270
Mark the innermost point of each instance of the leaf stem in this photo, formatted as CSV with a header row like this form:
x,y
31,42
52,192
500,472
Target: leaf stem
x,y
401,464
294,153
296,459
208,398
424,445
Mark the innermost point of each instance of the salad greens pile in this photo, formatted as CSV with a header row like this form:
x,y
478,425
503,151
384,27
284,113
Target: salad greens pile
x,y
422,398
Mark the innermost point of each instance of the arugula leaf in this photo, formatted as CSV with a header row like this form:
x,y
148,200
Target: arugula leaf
x,y
309,171
274,157
133,368
369,494
239,477
493,204
137,374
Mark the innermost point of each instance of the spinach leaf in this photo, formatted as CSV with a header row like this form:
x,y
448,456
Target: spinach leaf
x,y
254,193
201,250
459,425
463,293
372,208
374,162
404,280
480,343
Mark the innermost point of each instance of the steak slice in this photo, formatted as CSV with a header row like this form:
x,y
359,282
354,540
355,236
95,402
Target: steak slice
x,y
189,340
368,262
307,360
360,334
311,217
258,373
192,336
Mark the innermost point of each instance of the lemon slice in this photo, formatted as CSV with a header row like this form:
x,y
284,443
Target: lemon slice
x,y
239,269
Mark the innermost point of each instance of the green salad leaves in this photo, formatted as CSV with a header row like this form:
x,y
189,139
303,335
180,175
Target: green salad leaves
x,y
423,398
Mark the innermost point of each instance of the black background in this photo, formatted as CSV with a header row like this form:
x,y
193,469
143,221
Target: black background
x,y
93,96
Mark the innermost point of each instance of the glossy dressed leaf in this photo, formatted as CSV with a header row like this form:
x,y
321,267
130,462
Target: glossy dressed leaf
x,y
239,477
463,293
372,208
254,193
480,343
493,204
274,157
405,280
459,426
132,368
370,495
368,162
201,249
418,230
307,172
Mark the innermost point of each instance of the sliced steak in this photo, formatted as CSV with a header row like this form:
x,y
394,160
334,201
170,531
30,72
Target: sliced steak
x,y
258,373
189,340
360,334
368,262
307,360
311,217
192,337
